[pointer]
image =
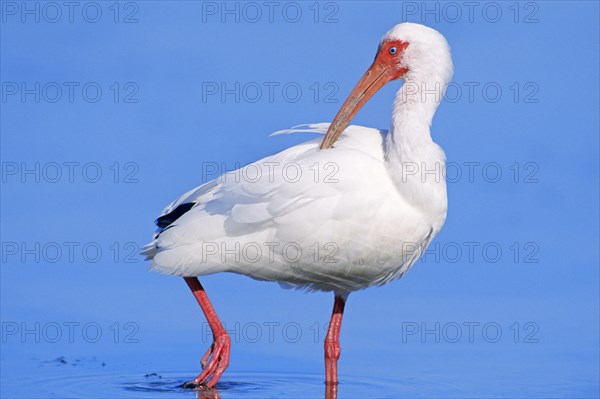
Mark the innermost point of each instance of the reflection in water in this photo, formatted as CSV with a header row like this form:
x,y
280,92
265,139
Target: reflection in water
x,y
331,391
207,393
202,392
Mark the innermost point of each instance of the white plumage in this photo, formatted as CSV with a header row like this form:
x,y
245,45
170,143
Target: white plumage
x,y
352,219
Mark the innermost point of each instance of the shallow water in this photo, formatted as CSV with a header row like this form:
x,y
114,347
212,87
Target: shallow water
x,y
67,382
90,378
235,385
379,360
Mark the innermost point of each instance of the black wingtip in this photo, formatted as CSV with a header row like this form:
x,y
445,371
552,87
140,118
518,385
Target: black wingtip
x,y
165,220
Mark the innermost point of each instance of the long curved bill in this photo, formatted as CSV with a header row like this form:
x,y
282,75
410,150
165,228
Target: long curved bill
x,y
374,79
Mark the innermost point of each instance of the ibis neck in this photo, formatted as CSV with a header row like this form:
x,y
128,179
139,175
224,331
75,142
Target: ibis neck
x,y
415,162
413,111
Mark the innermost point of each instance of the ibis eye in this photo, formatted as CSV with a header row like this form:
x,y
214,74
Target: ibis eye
x,y
393,50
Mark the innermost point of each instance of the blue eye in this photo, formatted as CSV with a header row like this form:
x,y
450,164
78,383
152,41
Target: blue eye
x,y
393,50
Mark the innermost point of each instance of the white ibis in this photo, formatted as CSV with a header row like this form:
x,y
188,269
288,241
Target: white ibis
x,y
353,212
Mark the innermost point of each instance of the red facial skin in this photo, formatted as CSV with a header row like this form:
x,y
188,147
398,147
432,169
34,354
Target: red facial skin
x,y
392,61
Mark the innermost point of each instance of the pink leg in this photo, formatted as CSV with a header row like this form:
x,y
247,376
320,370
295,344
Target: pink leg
x,y
216,359
332,345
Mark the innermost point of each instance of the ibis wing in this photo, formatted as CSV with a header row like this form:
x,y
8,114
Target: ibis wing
x,y
324,204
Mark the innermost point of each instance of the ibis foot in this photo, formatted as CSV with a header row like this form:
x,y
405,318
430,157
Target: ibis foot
x,y
189,385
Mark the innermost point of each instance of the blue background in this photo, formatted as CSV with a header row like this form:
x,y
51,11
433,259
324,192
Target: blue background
x,y
161,141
